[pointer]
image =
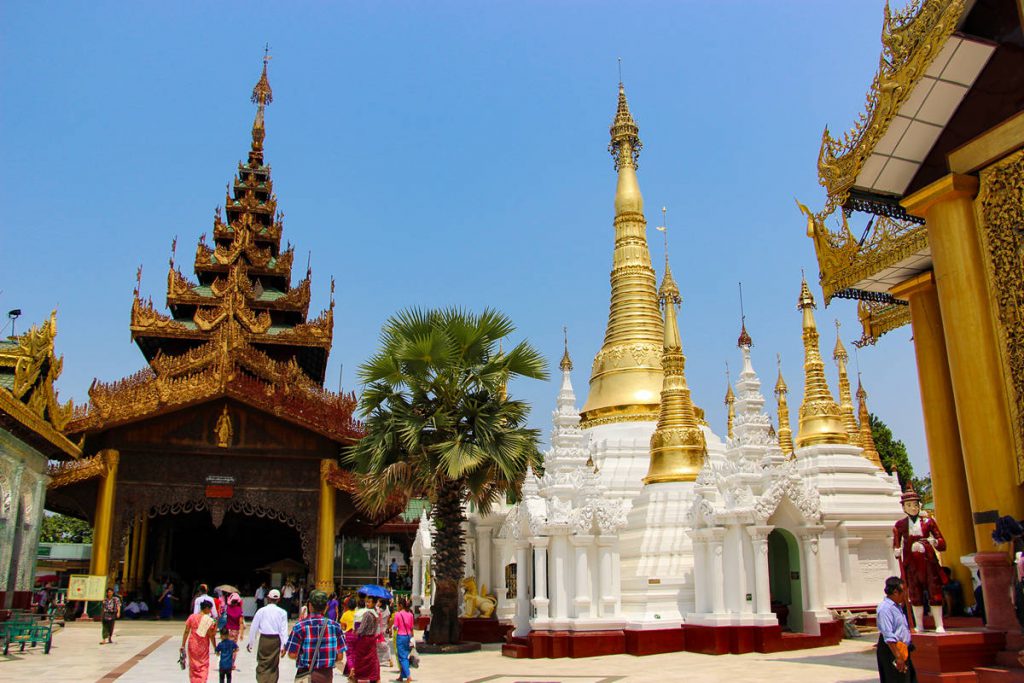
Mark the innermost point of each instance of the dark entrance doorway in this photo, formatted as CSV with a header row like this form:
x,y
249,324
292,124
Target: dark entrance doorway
x,y
784,578
189,549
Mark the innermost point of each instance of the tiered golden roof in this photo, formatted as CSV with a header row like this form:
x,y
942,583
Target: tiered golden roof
x,y
243,279
820,420
29,406
867,440
678,448
626,377
840,356
241,331
785,432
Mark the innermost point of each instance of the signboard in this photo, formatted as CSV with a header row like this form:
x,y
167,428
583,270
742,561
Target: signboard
x,y
87,587
219,491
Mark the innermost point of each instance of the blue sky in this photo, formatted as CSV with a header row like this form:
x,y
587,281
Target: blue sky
x,y
442,153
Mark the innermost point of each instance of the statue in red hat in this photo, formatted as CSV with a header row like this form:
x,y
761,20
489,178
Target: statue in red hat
x,y
916,541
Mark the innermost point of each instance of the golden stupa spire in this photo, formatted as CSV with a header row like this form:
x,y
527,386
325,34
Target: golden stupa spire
x,y
840,356
867,440
262,95
678,448
730,404
820,420
785,432
626,377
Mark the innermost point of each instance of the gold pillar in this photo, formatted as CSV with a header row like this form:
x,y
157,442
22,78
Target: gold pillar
x,y
975,367
103,523
126,559
325,530
945,457
140,554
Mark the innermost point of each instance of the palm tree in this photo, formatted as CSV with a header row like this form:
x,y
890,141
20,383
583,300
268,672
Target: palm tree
x,y
439,424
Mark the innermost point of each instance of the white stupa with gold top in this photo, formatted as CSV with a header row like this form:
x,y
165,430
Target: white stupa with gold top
x,y
646,532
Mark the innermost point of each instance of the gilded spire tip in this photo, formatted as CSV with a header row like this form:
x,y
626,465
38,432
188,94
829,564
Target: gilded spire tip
x,y
262,95
806,299
566,363
625,144
839,352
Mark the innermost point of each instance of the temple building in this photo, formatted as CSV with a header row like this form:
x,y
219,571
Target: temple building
x,y
647,532
32,421
227,440
921,224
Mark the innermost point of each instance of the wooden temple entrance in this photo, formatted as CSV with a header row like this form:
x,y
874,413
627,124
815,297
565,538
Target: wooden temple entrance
x,y
221,456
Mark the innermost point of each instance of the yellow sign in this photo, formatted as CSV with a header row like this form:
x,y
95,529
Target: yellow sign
x,y
87,587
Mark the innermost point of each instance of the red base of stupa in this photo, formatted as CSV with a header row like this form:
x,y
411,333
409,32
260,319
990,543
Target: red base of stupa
x,y
711,640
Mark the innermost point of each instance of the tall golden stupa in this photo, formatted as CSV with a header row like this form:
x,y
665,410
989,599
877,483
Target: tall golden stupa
x,y
626,378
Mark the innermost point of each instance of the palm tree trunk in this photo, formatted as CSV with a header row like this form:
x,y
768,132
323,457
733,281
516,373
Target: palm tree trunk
x,y
449,568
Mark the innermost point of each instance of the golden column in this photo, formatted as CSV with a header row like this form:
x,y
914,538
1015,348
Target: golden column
x,y
730,408
325,529
820,421
678,449
971,339
785,430
99,564
626,378
945,458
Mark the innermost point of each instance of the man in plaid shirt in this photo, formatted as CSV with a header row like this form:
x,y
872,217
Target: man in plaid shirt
x,y
301,644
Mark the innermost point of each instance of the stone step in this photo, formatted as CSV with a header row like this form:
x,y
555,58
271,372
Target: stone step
x,y
999,674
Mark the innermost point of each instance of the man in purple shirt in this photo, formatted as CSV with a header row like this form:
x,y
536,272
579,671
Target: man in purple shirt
x,y
893,650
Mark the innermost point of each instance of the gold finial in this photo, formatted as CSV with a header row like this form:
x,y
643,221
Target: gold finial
x,y
820,421
845,399
625,144
566,364
867,439
785,433
678,448
744,341
626,379
262,95
663,229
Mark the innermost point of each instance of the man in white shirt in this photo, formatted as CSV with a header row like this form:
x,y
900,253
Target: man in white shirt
x,y
287,592
203,590
261,595
270,627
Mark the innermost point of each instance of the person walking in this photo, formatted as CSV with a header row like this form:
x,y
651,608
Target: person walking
x,y
403,626
227,648
316,642
365,666
348,625
332,607
261,595
288,596
894,646
235,622
199,636
270,626
110,611
384,633
202,593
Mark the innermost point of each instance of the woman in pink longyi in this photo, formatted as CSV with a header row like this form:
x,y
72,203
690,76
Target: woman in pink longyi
x,y
199,637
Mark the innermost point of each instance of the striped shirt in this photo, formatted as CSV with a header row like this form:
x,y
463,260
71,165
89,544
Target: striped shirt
x,y
302,642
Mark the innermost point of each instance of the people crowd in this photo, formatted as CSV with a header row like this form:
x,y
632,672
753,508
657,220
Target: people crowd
x,y
357,635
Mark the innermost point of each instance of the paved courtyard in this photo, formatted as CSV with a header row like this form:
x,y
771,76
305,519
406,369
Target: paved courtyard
x,y
147,652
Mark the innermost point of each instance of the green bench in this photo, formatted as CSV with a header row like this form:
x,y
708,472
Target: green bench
x,y
27,629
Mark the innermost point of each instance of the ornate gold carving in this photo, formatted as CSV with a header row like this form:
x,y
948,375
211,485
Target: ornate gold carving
x,y
999,207
911,39
35,368
785,432
74,471
844,260
224,430
878,318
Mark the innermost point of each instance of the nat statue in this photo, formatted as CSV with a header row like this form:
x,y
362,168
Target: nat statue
x,y
915,542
